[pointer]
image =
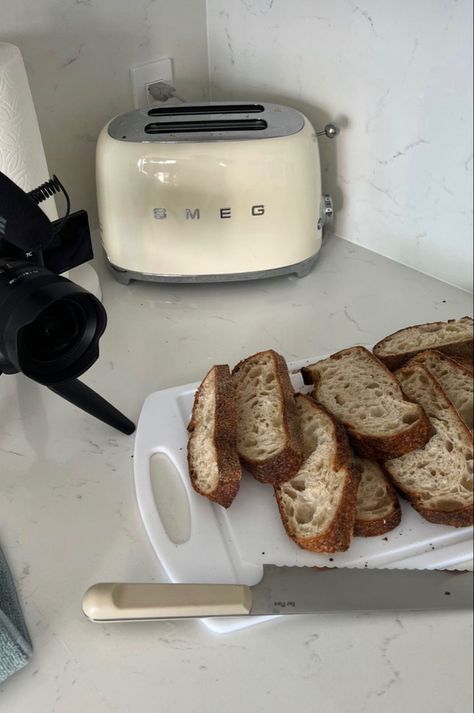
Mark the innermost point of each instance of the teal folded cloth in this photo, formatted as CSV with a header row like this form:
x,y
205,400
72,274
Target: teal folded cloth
x,y
15,642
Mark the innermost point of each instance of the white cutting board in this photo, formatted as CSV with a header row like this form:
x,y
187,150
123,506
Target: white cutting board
x,y
231,546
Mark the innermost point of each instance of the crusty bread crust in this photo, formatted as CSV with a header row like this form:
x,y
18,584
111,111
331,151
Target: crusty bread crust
x,y
338,536
467,364
386,447
224,438
286,463
462,351
456,518
457,363
464,517
372,528
379,447
460,367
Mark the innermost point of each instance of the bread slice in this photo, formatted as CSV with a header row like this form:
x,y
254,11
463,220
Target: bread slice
x,y
269,440
378,508
468,364
454,338
362,393
318,505
456,381
213,463
438,478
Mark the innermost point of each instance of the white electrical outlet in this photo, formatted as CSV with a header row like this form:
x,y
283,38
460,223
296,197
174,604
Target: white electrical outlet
x,y
143,75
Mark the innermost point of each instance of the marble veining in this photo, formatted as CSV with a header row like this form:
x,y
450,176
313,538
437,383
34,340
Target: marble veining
x,y
365,14
404,151
398,77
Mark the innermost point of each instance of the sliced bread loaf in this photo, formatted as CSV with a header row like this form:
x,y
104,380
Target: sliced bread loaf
x,y
213,463
317,506
438,478
454,338
269,440
455,380
362,393
378,508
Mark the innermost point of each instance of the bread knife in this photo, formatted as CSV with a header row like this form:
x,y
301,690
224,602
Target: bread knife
x,y
284,590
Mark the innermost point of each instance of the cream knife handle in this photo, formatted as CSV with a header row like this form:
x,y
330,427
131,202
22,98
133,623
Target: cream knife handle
x,y
111,601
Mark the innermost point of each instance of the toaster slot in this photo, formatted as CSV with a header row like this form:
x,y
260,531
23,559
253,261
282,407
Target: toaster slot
x,y
189,109
205,125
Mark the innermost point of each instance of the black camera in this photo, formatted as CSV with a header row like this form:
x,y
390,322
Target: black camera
x,y
49,326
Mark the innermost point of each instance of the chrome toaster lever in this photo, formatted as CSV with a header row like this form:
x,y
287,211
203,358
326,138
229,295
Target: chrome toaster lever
x,y
330,131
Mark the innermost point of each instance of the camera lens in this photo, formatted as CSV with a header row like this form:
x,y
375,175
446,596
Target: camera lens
x,y
49,327
62,339
54,331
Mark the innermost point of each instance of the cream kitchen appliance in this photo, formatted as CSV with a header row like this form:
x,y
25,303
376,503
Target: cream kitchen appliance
x,y
210,192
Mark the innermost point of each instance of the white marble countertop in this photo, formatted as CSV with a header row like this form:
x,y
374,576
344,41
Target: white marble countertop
x,y
68,515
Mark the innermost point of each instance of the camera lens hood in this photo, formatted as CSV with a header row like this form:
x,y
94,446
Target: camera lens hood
x,y
49,326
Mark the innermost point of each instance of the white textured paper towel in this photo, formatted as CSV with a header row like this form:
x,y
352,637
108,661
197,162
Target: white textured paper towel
x,y
21,150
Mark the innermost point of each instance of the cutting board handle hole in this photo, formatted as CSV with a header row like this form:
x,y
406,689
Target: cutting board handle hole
x,y
171,499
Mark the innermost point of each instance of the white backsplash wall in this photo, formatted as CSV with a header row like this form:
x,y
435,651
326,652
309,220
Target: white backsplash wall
x,y
398,73
77,55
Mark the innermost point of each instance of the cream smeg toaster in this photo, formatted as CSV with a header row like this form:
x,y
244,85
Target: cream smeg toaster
x,y
210,192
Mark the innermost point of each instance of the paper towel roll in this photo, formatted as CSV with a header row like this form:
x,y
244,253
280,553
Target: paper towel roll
x,y
22,155
21,150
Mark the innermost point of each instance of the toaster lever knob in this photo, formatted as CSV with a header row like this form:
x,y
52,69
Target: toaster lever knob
x,y
330,131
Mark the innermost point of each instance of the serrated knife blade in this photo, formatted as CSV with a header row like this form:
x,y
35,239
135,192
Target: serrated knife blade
x,y
284,590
